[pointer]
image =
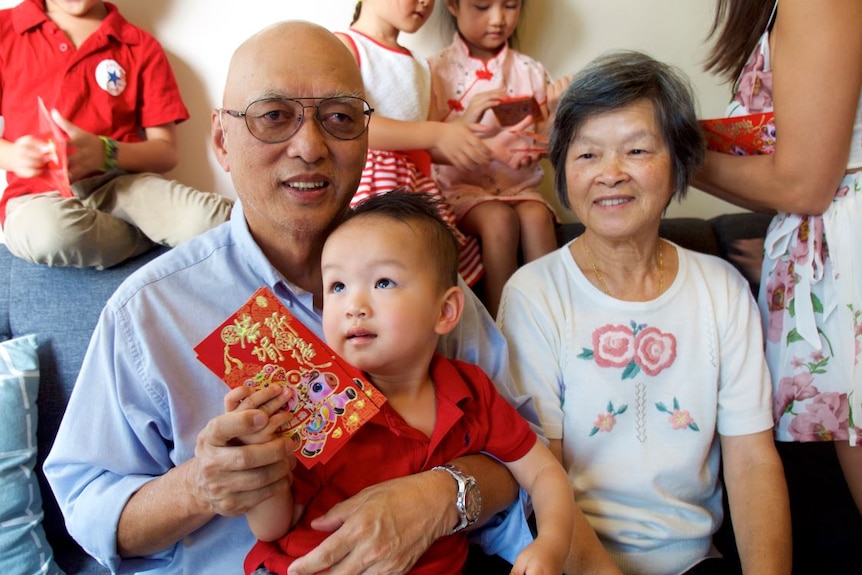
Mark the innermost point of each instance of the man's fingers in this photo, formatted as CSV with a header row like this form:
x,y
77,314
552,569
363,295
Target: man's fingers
x,y
222,430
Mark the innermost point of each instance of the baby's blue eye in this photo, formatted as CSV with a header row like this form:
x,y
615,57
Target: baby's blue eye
x,y
384,283
337,287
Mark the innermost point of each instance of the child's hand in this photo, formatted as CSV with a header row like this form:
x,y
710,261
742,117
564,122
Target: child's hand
x,y
459,144
86,152
510,147
555,91
29,157
270,400
480,103
537,558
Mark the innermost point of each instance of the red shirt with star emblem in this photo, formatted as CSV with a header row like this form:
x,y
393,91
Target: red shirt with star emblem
x,y
116,84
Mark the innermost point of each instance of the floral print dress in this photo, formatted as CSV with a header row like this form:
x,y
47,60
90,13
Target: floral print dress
x,y
811,296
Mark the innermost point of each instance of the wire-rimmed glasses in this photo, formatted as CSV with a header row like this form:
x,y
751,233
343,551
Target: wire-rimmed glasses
x,y
275,120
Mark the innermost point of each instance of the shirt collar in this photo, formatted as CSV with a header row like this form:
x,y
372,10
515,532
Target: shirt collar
x,y
31,14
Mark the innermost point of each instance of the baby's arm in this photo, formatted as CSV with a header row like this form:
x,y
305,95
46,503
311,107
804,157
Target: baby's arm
x,y
546,481
272,517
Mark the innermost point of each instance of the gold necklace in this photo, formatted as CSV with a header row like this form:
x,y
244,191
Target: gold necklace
x,y
601,279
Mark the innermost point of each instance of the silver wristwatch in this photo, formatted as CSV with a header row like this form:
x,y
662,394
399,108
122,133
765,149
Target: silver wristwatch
x,y
468,502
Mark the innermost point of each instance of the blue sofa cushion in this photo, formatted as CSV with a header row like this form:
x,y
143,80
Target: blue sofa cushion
x,y
61,307
23,547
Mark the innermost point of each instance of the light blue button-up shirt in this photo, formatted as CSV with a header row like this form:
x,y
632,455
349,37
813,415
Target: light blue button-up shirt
x,y
142,397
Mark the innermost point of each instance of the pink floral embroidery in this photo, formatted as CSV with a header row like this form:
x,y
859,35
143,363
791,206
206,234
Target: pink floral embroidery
x,y
679,418
754,90
654,350
613,345
633,348
455,105
825,419
606,420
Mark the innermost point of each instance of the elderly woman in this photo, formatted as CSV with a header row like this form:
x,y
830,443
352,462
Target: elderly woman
x,y
646,359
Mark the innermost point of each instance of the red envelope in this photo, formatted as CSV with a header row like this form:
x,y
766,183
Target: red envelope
x,y
56,172
262,344
510,111
741,135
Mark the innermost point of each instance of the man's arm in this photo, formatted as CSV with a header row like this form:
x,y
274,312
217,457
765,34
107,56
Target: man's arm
x,y
391,524
221,479
759,505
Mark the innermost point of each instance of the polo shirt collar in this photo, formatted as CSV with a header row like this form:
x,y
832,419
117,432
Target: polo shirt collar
x,y
31,14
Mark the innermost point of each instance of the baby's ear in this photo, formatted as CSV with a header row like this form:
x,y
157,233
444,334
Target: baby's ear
x,y
451,308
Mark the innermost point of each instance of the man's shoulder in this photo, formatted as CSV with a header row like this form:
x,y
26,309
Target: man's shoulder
x,y
182,268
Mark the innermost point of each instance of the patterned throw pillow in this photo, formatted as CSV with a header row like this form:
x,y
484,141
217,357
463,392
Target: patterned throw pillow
x,y
23,547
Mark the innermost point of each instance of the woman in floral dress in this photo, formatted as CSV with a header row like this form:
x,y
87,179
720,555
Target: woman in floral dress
x,y
806,69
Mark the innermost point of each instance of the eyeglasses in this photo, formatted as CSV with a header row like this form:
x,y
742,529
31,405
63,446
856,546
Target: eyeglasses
x,y
275,120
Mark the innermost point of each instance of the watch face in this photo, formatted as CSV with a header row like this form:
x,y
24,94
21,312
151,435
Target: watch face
x,y
472,501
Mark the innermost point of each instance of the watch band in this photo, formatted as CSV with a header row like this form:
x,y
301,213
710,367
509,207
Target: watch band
x,y
109,160
468,501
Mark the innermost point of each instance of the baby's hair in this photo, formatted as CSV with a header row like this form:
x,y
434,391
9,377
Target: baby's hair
x,y
419,211
452,24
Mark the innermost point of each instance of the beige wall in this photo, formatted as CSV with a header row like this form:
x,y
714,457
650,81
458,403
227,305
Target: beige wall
x,y
200,35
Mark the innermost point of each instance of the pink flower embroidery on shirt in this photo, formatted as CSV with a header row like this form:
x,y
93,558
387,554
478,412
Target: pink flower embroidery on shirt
x,y
455,105
654,350
679,418
613,345
606,420
634,348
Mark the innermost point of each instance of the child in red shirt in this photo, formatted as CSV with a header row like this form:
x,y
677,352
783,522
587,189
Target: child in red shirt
x,y
113,93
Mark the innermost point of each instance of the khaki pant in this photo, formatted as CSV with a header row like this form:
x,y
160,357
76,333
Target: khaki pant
x,y
110,219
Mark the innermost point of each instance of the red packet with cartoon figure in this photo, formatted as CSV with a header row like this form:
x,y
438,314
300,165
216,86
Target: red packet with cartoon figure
x,y
56,172
262,344
741,135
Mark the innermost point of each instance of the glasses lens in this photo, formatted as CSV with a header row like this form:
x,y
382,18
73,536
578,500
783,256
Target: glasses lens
x,y
274,120
344,118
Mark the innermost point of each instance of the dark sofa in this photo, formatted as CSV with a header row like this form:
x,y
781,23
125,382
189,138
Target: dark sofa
x,y
61,306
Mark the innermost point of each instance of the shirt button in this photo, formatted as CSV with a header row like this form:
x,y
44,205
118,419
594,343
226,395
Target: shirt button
x,y
64,47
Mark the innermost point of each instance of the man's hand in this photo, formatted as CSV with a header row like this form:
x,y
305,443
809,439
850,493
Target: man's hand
x,y
229,477
223,478
383,529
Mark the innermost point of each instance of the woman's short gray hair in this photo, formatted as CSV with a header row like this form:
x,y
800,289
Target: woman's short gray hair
x,y
616,80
